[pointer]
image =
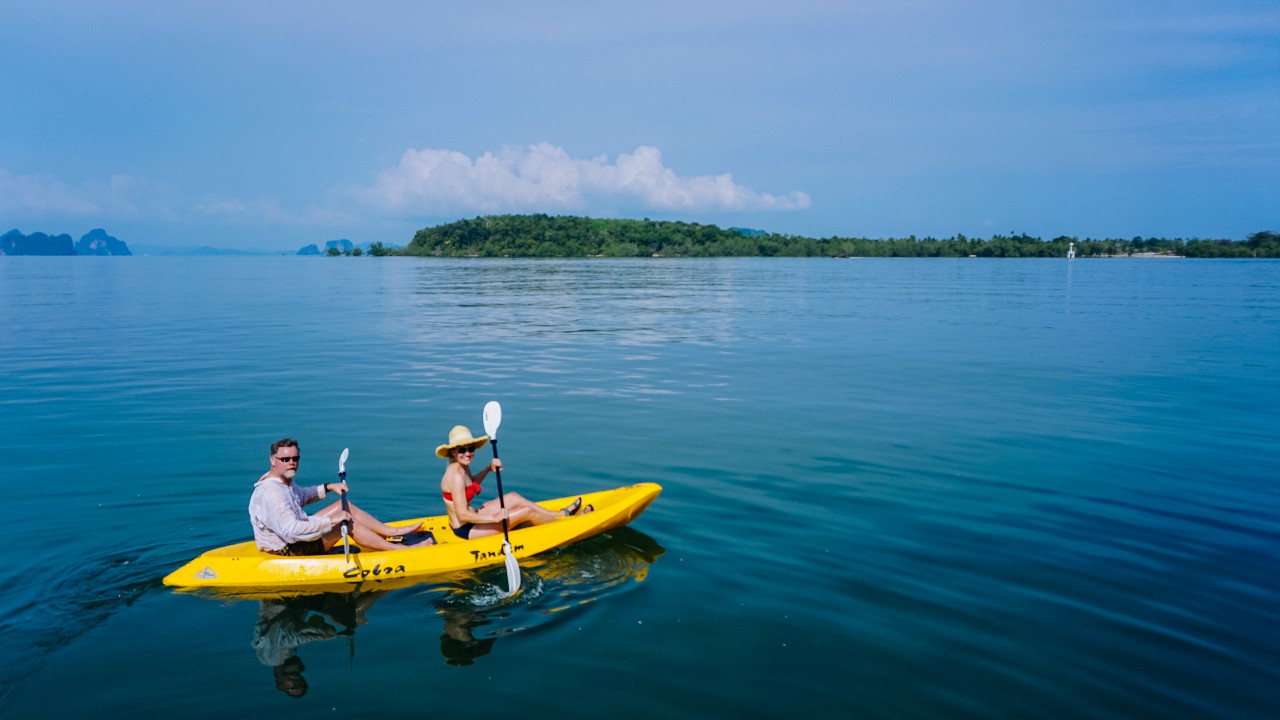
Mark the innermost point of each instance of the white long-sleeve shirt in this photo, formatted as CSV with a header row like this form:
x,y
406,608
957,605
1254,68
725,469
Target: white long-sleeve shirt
x,y
275,510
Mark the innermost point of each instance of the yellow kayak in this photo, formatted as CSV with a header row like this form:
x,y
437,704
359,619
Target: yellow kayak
x,y
243,567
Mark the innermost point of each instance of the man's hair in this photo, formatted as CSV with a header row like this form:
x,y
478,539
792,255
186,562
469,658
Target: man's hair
x,y
284,442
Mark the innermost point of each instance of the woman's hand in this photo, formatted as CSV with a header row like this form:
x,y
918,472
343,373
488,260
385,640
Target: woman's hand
x,y
495,464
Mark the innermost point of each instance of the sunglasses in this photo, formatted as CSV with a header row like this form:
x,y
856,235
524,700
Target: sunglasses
x,y
466,450
291,458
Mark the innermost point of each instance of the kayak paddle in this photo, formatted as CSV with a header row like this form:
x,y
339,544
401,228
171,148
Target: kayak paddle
x,y
492,419
342,476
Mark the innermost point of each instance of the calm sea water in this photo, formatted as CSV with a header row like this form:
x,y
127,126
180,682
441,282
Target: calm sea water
x,y
893,488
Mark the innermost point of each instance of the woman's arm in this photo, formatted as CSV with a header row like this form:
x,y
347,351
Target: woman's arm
x,y
494,464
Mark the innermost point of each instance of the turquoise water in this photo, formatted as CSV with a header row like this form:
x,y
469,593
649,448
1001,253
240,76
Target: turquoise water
x,y
893,488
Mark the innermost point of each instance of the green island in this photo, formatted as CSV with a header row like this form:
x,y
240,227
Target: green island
x,y
548,236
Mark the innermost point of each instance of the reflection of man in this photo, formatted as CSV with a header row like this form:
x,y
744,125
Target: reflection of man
x,y
289,678
285,624
282,626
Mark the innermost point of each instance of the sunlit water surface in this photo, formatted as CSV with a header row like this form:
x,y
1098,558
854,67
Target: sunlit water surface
x,y
893,488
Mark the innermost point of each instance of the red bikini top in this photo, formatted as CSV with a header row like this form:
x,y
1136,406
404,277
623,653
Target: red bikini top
x,y
472,490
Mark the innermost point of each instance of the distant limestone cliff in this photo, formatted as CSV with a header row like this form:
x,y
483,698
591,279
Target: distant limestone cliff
x,y
98,242
346,247
94,242
342,246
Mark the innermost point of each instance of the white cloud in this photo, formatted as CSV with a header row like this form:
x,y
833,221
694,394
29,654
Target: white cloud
x,y
47,196
544,177
42,197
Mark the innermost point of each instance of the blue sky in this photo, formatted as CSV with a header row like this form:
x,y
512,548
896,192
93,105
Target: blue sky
x,y
272,125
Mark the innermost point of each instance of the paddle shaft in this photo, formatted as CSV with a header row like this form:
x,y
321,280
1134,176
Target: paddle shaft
x,y
346,539
501,503
492,419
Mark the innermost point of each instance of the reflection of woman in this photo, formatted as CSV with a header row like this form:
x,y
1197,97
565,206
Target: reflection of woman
x,y
459,485
458,644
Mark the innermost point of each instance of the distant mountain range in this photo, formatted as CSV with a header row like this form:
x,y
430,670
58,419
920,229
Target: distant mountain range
x,y
94,242
170,250
98,242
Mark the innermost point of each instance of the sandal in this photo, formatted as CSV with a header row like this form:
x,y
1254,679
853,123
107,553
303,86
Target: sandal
x,y
572,508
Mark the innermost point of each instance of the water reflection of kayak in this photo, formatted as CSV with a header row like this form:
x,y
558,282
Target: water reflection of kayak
x,y
558,581
242,568
473,616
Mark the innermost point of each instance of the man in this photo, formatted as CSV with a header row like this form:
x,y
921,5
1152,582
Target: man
x,y
280,527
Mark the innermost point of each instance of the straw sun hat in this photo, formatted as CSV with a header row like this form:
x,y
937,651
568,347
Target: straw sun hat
x,y
458,437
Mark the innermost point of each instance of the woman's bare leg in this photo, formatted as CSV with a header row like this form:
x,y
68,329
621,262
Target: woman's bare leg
x,y
374,541
529,511
368,539
364,519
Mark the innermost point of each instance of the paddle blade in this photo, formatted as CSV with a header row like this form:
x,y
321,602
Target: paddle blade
x,y
513,569
492,418
342,461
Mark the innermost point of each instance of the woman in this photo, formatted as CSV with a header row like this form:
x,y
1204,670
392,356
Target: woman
x,y
459,486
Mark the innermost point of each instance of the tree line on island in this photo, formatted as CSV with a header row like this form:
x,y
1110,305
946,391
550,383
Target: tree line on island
x,y
547,236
